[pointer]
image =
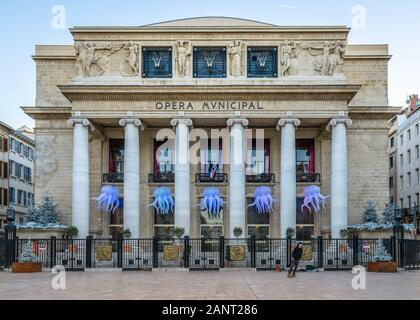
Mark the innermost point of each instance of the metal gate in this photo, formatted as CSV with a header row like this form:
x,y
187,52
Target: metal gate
x,y
2,253
272,253
338,254
204,254
136,254
70,253
412,254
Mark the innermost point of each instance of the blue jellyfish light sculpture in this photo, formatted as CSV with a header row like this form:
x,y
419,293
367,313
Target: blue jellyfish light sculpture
x,y
164,203
313,199
263,200
109,200
212,202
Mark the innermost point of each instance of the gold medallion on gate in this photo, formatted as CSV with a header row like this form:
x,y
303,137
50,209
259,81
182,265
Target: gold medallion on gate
x,y
171,253
237,253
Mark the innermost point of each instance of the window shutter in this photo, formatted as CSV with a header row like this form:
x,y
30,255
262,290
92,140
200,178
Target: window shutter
x,y
5,197
5,145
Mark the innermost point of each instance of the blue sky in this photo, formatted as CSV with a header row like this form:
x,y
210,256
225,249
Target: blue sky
x,y
24,23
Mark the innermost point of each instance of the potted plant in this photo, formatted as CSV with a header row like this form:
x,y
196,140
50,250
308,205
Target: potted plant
x,y
382,261
127,235
179,232
72,232
27,261
290,232
237,232
343,233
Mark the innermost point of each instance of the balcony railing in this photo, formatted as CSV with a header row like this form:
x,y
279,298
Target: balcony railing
x,y
113,177
308,178
261,178
162,177
211,178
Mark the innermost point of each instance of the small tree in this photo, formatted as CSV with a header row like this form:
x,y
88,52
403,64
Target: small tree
x,y
32,214
179,232
28,255
72,232
127,233
381,254
48,213
290,232
369,214
388,216
343,233
237,232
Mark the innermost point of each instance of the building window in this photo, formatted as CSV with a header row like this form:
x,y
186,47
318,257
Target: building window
x,y
391,182
401,182
401,160
401,140
409,179
409,201
211,157
258,157
417,152
164,224
157,62
20,197
391,142
257,224
305,156
116,156
163,156
209,62
417,176
417,129
409,135
402,203
391,162
12,195
262,62
305,222
417,199
211,226
409,156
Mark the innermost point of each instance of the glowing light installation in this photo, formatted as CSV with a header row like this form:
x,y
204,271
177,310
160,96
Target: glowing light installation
x,y
263,200
313,199
109,200
212,202
164,203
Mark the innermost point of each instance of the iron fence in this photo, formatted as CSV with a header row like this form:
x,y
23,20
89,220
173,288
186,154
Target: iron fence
x,y
207,254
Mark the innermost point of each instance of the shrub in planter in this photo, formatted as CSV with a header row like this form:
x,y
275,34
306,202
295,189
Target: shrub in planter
x,y
71,232
290,232
127,235
27,261
237,232
382,261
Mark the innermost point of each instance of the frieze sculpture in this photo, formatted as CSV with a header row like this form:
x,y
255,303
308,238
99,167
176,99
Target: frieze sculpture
x,y
132,61
329,57
287,53
235,56
90,54
184,52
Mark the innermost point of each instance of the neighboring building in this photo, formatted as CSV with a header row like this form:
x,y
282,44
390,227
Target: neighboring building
x,y
392,152
408,155
101,103
21,168
4,175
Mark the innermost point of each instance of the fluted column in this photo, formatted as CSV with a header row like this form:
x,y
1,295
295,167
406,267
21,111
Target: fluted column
x,y
132,175
80,176
339,175
288,127
237,184
182,173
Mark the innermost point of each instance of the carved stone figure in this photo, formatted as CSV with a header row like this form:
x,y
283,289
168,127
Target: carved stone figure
x,y
184,52
288,51
235,55
133,57
337,57
89,54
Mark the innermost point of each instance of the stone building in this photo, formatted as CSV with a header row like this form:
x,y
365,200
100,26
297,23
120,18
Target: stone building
x,y
297,106
4,172
21,167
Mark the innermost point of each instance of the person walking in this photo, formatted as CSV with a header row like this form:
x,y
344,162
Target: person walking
x,y
297,255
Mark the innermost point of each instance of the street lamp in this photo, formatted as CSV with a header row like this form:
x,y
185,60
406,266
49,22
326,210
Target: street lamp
x,y
11,215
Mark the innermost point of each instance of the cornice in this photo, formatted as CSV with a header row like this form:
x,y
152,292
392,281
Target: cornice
x,y
200,93
48,113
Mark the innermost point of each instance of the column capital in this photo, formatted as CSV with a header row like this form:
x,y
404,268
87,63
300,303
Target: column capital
x,y
230,122
83,121
188,122
289,120
137,122
334,122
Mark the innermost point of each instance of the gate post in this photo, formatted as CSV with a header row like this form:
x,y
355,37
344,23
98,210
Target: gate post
x,y
289,251
155,252
222,252
355,250
120,242
89,252
11,244
253,251
393,249
53,253
402,247
186,252
320,252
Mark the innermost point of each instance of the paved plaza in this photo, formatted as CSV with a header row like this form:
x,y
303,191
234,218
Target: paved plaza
x,y
226,285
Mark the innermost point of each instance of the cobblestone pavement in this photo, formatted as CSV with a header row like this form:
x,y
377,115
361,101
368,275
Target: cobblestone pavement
x,y
229,285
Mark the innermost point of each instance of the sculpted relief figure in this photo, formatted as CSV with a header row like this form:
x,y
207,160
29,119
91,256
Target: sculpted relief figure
x,y
287,53
328,57
235,55
133,59
184,52
93,59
